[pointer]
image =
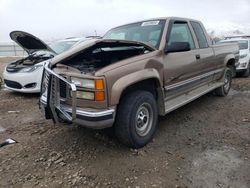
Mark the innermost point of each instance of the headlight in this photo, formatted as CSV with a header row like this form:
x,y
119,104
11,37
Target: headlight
x,y
96,86
31,68
243,56
86,83
243,64
85,95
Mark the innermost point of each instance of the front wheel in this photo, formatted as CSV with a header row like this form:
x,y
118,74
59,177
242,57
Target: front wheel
x,y
224,90
136,119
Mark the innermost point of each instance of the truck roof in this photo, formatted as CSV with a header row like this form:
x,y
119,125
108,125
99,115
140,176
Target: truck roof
x,y
160,18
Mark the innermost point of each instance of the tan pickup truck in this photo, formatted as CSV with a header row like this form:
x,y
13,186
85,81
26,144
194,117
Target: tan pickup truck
x,y
135,73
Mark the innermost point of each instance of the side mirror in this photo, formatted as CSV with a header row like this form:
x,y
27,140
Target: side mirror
x,y
178,47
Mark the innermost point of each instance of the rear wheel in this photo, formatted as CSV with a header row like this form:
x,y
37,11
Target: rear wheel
x,y
224,90
136,119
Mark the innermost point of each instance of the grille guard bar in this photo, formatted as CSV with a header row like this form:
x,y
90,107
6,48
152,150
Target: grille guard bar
x,y
53,96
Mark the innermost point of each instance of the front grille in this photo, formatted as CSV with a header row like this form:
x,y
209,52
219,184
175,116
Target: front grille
x,y
13,84
62,84
63,88
54,88
45,82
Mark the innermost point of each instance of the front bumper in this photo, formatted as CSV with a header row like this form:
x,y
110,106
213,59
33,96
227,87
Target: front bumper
x,y
243,65
23,80
54,107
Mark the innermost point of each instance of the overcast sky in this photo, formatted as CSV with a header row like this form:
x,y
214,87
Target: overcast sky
x,y
53,19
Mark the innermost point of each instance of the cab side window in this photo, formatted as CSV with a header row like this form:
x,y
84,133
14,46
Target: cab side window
x,y
201,37
180,32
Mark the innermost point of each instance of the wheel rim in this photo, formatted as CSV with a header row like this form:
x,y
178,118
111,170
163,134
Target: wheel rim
x,y
144,119
227,82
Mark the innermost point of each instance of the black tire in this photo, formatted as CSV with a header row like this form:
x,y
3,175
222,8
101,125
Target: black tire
x,y
129,118
224,90
233,70
1,82
246,72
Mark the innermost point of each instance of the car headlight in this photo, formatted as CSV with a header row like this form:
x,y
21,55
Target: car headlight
x,y
243,56
30,69
86,83
95,85
85,95
243,64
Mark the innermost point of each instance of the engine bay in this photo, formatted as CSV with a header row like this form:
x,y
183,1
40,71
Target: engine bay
x,y
97,57
28,61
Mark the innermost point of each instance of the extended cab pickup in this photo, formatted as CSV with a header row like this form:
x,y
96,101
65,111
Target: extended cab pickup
x,y
135,73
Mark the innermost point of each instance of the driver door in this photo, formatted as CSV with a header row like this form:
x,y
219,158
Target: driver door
x,y
180,68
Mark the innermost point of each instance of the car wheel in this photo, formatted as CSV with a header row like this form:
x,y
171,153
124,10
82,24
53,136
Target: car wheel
x,y
136,119
233,70
224,90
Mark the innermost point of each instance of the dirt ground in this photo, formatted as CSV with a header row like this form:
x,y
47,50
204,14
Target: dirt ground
x,y
203,144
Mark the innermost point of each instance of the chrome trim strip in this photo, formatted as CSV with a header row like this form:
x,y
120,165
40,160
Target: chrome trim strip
x,y
89,114
192,98
173,86
43,99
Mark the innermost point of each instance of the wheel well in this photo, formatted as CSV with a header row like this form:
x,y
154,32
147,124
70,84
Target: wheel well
x,y
231,62
153,86
147,85
231,65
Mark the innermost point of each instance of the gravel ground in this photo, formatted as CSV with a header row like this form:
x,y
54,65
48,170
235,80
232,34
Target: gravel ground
x,y
203,144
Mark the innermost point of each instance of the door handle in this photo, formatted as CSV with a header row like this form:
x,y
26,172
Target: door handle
x,y
197,56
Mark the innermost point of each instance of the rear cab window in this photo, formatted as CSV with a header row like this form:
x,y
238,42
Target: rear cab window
x,y
200,35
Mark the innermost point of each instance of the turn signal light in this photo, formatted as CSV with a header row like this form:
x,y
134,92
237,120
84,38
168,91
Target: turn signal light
x,y
99,85
99,96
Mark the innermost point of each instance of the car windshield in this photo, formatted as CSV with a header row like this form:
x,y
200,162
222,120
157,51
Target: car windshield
x,y
243,44
62,46
148,32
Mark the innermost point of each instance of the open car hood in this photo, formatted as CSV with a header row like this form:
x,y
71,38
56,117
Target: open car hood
x,y
117,42
98,43
29,42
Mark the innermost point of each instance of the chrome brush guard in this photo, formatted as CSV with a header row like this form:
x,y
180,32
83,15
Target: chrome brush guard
x,y
50,96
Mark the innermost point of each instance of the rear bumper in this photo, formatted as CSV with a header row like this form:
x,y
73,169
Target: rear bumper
x,y
54,108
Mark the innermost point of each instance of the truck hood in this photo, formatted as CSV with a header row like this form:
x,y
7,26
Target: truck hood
x,y
98,43
29,42
96,54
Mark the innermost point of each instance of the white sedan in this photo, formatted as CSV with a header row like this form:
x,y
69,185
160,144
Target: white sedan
x,y
25,75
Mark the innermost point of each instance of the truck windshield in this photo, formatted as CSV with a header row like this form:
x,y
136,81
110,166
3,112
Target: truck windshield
x,y
148,32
